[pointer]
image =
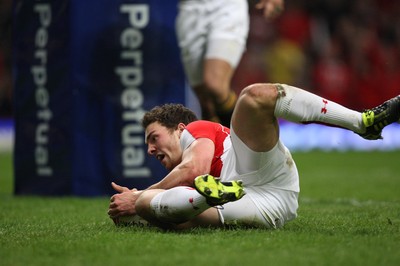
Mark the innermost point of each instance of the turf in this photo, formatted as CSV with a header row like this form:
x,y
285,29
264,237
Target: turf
x,y
349,215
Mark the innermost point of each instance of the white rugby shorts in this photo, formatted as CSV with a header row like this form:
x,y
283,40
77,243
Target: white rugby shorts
x,y
271,183
211,29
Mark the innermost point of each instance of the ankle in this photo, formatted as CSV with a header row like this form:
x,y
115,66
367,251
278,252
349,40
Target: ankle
x,y
227,105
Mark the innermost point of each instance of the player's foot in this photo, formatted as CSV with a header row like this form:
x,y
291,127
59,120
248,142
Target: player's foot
x,y
377,118
217,192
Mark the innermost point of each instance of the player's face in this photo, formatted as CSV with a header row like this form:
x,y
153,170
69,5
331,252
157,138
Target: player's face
x,y
164,145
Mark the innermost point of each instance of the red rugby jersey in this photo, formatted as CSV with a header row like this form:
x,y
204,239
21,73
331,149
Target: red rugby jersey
x,y
215,132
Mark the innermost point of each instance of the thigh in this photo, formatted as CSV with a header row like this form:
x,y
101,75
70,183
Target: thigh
x,y
213,29
271,208
242,213
228,32
229,20
253,119
191,34
243,161
274,168
227,50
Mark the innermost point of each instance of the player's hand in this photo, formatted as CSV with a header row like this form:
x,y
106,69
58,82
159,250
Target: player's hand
x,y
272,8
121,189
123,203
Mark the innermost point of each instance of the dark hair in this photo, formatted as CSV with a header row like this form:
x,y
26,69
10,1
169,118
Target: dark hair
x,y
169,115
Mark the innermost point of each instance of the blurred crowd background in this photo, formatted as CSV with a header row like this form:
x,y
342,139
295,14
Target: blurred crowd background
x,y
345,50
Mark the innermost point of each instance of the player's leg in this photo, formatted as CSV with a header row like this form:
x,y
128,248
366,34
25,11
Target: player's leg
x,y
254,119
228,29
191,25
239,213
206,103
245,213
180,205
208,218
259,105
217,75
298,105
213,91
377,118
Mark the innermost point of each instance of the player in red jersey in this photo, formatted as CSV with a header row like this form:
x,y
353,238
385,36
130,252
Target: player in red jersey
x,y
251,151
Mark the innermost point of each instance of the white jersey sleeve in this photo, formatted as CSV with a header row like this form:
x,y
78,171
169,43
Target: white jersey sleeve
x,y
186,139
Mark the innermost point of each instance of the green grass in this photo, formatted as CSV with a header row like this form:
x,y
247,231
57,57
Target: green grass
x,y
349,215
6,173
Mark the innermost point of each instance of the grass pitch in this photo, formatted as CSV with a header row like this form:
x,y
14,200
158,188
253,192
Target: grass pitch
x,y
349,215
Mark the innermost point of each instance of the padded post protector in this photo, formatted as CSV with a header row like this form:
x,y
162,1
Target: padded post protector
x,y
84,74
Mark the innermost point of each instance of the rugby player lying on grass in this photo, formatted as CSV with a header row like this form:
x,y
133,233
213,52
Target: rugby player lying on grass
x,y
257,181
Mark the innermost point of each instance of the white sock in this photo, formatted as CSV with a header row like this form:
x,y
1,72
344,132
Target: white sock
x,y
178,204
297,105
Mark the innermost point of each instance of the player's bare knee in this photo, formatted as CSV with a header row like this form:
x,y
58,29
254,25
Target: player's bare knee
x,y
262,95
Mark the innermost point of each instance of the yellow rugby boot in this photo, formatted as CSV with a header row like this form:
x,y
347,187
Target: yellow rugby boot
x,y
217,192
377,118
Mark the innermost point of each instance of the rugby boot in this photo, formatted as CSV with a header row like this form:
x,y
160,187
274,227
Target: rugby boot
x,y
217,192
377,118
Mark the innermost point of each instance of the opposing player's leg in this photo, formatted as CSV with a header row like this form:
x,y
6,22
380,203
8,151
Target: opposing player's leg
x,y
214,94
210,59
217,74
228,28
206,103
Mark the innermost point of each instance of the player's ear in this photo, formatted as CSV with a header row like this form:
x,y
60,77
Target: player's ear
x,y
181,127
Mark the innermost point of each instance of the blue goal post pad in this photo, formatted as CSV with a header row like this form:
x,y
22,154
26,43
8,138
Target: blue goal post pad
x,y
85,73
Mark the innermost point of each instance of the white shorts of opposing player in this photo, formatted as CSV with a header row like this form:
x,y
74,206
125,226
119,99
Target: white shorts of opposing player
x,y
211,29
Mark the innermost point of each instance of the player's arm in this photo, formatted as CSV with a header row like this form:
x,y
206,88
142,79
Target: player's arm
x,y
196,160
